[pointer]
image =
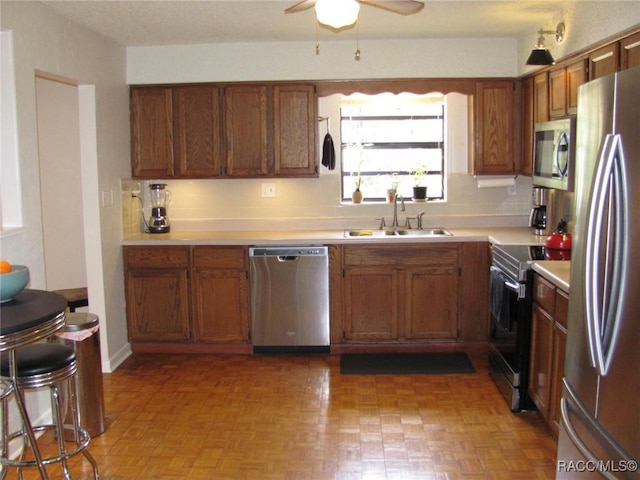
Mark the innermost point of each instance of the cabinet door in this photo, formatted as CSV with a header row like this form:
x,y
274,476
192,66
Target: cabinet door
x,y
541,359
576,76
527,126
370,304
221,306
247,139
541,97
604,61
557,373
157,292
157,304
151,132
557,93
198,133
494,128
295,126
630,51
431,303
220,294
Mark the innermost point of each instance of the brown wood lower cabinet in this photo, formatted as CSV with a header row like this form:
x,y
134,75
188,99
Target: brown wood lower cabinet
x,y
196,298
157,293
183,295
409,293
548,342
220,294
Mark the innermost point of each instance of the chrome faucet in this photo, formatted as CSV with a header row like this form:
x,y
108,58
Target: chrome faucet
x,y
394,223
419,217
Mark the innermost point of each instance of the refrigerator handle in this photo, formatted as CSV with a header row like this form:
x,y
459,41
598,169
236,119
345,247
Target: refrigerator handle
x,y
575,438
603,274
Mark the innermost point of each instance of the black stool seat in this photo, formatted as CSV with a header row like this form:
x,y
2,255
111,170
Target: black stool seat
x,y
38,359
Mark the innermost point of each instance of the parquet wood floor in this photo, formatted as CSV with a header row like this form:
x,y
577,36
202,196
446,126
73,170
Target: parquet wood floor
x,y
284,417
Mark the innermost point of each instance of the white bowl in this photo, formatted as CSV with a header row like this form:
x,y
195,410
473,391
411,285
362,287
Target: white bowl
x,y
13,282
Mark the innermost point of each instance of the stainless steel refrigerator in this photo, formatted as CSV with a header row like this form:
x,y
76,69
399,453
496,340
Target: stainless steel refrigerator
x,y
600,428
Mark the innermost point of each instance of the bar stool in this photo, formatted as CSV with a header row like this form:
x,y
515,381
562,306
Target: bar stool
x,y
45,365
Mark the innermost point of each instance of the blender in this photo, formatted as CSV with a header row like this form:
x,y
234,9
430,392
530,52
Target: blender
x,y
160,198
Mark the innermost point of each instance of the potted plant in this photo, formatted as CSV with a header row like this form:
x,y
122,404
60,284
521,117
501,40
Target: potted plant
x,y
391,192
357,196
419,190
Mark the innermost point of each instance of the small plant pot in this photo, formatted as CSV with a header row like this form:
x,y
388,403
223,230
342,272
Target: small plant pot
x,y
391,195
357,196
419,194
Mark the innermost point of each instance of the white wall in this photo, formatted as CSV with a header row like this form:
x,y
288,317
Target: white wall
x,y
46,42
476,57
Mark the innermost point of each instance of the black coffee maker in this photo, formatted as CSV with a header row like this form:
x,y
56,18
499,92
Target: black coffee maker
x,y
160,198
538,217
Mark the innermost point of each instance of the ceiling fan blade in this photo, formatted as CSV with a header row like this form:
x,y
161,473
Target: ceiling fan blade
x,y
301,6
403,7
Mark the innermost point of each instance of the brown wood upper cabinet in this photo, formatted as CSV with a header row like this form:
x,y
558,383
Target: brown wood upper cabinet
x,y
295,125
152,132
630,51
541,98
495,128
197,131
563,88
246,127
604,61
234,130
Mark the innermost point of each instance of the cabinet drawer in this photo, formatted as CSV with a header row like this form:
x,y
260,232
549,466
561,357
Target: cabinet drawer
x,y
562,306
544,294
156,257
210,257
432,255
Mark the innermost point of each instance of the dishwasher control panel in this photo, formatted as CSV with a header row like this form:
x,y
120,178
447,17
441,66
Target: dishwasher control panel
x,y
288,251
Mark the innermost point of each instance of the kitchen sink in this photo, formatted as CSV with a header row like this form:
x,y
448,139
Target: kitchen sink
x,y
400,232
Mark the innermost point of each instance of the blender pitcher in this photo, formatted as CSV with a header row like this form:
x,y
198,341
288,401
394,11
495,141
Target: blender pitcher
x,y
160,198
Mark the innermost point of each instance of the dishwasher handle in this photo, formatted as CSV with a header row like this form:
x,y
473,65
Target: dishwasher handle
x,y
289,253
287,258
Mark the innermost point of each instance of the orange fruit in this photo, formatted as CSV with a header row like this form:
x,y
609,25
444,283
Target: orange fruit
x,y
5,267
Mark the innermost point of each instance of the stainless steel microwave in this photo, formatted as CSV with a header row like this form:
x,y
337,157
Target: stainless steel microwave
x,y
554,154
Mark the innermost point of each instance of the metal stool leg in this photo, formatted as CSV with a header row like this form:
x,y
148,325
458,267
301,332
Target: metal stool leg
x,y
77,429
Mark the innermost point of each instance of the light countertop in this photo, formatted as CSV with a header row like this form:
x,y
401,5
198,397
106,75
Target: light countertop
x,y
498,235
557,272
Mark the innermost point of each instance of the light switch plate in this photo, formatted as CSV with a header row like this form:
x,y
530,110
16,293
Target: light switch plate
x,y
268,189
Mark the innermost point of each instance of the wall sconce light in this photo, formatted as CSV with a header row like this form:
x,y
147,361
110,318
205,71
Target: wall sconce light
x,y
337,13
540,55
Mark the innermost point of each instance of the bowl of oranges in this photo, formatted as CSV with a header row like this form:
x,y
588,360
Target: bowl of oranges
x,y
13,279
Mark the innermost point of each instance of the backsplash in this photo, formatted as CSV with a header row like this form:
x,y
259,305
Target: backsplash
x,y
314,203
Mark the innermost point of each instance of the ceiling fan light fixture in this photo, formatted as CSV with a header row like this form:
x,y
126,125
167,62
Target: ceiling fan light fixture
x,y
337,13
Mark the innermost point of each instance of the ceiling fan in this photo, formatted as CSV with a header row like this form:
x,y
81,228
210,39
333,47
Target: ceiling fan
x,y
340,13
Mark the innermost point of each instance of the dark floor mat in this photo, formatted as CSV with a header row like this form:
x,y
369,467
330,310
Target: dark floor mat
x,y
405,363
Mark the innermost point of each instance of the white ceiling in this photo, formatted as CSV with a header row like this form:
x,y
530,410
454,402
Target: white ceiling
x,y
175,22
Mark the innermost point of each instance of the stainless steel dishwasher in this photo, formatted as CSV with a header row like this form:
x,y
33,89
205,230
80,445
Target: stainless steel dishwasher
x,y
289,298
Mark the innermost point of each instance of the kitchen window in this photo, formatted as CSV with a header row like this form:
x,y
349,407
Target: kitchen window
x,y
386,138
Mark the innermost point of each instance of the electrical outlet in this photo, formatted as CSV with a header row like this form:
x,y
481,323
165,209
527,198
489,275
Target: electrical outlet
x,y
269,190
511,190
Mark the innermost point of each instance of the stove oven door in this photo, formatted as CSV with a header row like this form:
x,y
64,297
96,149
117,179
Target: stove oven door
x,y
509,337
